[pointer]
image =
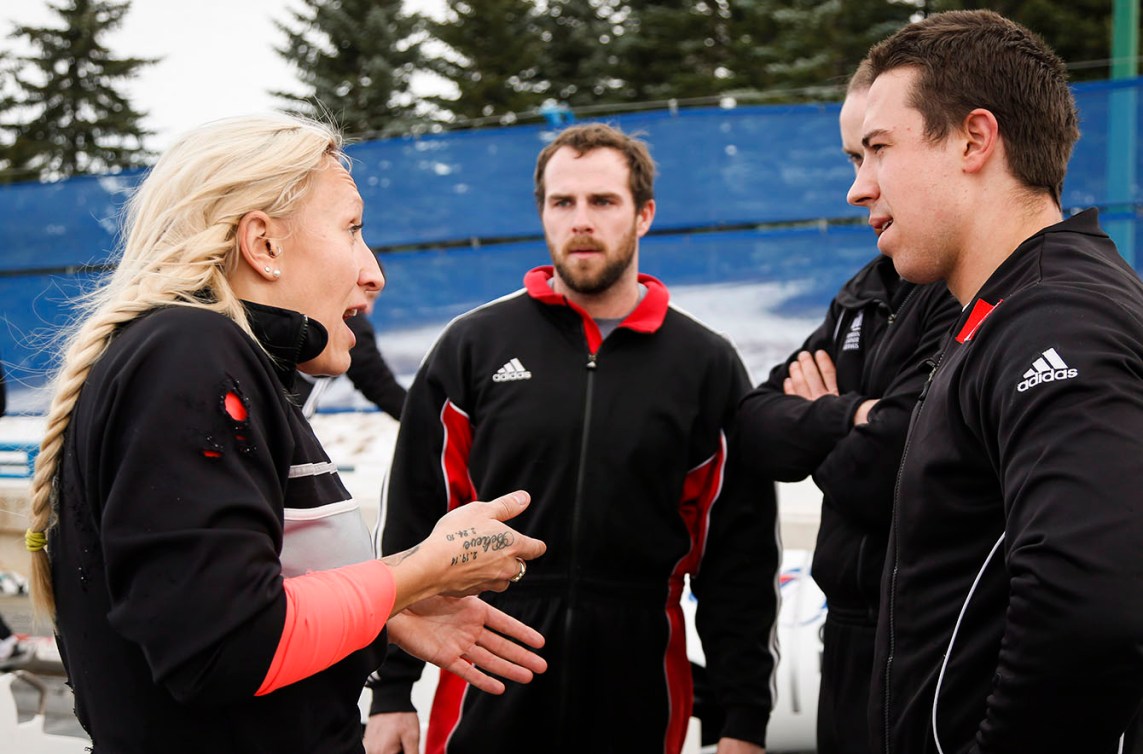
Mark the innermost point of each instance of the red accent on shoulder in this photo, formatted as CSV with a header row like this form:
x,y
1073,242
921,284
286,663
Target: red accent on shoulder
x,y
980,312
234,407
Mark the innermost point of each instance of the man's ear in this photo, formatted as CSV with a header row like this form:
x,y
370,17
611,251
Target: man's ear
x,y
255,245
644,217
981,134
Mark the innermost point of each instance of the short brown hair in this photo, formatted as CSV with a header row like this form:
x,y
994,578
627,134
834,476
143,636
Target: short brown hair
x,y
978,58
586,137
861,79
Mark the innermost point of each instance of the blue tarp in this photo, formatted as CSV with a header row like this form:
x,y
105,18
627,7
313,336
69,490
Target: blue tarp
x,y
720,169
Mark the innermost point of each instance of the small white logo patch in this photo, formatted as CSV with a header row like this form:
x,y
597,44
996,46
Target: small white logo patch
x,y
1047,368
512,371
853,337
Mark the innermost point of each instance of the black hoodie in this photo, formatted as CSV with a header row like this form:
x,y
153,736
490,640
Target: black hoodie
x,y
880,332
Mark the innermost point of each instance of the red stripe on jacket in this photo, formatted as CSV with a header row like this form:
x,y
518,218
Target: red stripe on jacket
x,y
701,488
460,489
454,455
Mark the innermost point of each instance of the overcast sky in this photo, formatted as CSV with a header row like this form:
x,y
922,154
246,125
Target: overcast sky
x,y
218,56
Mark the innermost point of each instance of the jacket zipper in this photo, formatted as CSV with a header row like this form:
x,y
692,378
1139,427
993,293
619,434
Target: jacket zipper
x,y
933,366
890,320
573,582
868,365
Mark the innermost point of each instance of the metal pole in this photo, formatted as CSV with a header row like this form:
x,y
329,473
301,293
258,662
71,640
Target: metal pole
x,y
1122,128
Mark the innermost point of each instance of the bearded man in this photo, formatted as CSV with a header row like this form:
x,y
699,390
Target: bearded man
x,y
613,409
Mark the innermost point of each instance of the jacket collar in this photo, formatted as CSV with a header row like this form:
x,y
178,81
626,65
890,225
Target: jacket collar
x,y
290,337
999,282
878,281
647,317
1009,277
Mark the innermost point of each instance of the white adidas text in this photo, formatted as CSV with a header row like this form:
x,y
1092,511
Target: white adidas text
x,y
511,371
1048,368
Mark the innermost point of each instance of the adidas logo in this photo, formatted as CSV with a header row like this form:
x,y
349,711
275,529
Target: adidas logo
x,y
1048,368
511,371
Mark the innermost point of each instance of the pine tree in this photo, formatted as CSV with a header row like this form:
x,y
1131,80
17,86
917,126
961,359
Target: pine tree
x,y
676,50
493,55
7,91
580,59
805,50
355,59
66,115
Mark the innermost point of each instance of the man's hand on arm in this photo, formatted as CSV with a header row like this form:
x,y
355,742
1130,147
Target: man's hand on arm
x,y
814,375
861,416
393,733
811,376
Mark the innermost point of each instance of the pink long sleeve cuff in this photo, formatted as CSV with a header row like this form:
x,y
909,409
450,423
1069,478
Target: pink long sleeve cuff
x,y
329,615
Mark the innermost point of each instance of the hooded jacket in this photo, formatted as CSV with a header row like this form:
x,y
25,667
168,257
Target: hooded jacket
x,y
880,331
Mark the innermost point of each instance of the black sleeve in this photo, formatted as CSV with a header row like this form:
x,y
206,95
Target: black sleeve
x,y
393,682
3,392
859,474
369,372
786,437
193,448
1069,675
736,583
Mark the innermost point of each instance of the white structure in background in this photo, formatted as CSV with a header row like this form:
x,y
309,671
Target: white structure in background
x,y
29,737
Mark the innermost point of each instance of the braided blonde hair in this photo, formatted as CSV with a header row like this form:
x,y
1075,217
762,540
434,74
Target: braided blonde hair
x,y
179,243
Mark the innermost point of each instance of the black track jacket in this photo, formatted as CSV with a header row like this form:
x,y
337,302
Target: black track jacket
x,y
622,445
880,331
1023,470
189,487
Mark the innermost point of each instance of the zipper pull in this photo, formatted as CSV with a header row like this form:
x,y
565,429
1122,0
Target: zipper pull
x,y
591,361
932,365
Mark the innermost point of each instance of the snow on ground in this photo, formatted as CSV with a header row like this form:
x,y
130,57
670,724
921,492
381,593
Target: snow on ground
x,y
360,439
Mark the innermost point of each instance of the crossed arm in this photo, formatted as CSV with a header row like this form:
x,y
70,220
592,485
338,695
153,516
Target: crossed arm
x,y
814,375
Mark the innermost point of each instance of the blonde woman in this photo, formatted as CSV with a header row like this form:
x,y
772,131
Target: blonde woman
x,y
211,580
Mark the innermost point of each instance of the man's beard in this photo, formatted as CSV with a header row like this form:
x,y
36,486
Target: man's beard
x,y
591,283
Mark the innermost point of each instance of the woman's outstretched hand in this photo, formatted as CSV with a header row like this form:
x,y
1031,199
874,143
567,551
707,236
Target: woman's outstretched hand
x,y
465,636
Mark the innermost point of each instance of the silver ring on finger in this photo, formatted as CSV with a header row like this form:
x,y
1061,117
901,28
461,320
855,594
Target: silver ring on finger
x,y
523,570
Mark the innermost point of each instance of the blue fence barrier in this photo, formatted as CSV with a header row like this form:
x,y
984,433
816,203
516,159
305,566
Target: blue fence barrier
x,y
454,216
